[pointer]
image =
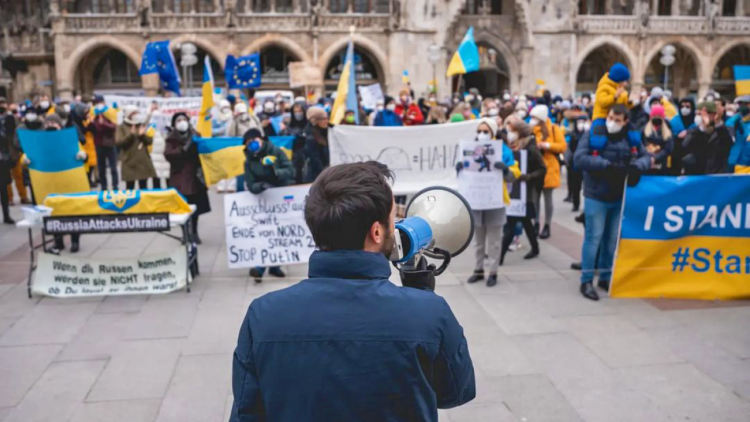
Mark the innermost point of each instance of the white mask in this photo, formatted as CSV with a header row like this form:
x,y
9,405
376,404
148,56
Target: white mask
x,y
483,137
269,108
31,117
698,120
136,118
729,113
506,97
685,111
636,101
181,126
44,104
613,127
493,112
391,107
580,126
66,107
587,126
512,137
521,114
534,122
585,101
381,108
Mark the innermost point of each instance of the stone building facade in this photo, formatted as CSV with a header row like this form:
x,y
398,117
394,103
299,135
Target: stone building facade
x,y
65,47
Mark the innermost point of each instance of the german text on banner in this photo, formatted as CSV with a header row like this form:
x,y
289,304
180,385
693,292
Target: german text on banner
x,y
54,167
143,201
685,237
66,276
268,229
420,156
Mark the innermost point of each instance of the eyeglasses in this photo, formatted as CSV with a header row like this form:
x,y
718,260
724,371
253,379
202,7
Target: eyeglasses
x,y
484,131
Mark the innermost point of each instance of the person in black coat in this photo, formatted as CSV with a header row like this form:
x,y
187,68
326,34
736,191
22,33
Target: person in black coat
x,y
7,132
658,140
296,128
316,143
575,176
707,146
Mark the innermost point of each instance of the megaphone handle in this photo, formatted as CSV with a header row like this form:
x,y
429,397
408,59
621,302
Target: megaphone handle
x,y
422,277
446,260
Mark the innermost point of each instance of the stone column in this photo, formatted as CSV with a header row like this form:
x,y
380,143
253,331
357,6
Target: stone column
x,y
703,87
150,84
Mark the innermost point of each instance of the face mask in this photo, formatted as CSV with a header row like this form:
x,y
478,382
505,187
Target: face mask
x,y
613,127
350,119
512,137
580,126
268,108
253,146
506,97
483,137
469,98
698,120
744,110
656,122
493,112
534,122
636,101
729,113
685,111
44,104
137,118
585,101
66,107
391,107
299,116
587,126
31,117
404,100
181,126
380,108
521,114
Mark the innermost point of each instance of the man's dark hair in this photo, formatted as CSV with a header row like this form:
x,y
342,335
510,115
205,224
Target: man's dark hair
x,y
620,110
345,201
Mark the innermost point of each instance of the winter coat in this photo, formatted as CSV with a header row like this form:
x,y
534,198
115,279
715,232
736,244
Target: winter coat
x,y
496,217
605,97
161,165
133,148
638,117
388,118
536,170
238,127
185,166
411,116
557,146
374,352
8,153
707,153
601,182
740,153
651,135
279,173
104,131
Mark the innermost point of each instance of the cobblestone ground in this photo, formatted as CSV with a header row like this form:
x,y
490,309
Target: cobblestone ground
x,y
541,352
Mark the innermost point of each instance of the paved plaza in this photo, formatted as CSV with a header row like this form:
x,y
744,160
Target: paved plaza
x,y
541,352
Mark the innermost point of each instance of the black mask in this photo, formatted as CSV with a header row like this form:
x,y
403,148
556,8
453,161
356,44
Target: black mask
x,y
744,110
656,122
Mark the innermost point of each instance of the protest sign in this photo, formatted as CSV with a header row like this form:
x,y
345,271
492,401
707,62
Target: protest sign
x,y
419,156
517,190
162,118
370,95
479,182
268,229
66,276
685,237
304,74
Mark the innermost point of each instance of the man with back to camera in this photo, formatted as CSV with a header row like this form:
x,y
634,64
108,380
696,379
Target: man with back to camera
x,y
346,344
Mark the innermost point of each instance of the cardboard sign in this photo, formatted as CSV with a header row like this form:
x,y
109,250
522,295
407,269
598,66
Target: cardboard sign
x,y
479,182
303,74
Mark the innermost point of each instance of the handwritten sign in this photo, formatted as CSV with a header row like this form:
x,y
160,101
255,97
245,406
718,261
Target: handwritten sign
x,y
65,276
162,118
302,74
517,207
479,182
268,229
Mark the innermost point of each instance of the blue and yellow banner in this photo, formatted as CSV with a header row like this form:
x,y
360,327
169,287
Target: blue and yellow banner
x,y
224,158
143,201
685,237
742,80
53,166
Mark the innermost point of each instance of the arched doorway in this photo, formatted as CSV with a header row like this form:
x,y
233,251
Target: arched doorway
x,y
682,78
274,64
367,69
107,70
493,75
722,78
195,72
596,64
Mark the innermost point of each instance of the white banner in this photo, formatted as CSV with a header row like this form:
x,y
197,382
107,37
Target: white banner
x,y
268,229
66,276
419,156
370,95
479,182
517,207
167,107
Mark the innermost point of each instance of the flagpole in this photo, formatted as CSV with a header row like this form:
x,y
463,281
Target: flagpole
x,y
460,80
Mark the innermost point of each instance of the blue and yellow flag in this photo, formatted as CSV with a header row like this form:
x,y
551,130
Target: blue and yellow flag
x,y
144,201
466,59
243,72
346,94
207,101
224,158
53,165
742,80
285,143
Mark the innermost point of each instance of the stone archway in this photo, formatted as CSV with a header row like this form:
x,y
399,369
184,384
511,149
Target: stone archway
x,y
596,59
685,76
722,75
363,44
279,41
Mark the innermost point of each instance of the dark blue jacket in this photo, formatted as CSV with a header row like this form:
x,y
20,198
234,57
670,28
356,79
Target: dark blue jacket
x,y
388,118
600,182
348,345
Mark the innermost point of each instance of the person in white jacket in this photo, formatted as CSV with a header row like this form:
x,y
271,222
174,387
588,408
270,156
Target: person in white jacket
x,y
243,121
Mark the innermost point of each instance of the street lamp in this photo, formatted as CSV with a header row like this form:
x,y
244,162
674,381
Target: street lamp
x,y
667,59
187,60
434,57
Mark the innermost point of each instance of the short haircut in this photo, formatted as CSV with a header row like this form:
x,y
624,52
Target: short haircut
x,y
345,201
620,110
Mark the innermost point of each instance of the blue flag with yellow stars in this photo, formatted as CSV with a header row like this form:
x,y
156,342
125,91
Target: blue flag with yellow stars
x,y
243,72
158,58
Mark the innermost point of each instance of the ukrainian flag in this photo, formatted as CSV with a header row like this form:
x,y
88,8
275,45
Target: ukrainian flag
x,y
285,143
346,94
144,201
54,167
224,158
742,80
207,102
466,59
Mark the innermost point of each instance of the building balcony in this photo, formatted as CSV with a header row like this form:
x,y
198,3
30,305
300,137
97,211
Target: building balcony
x,y
662,25
193,22
27,45
109,23
273,22
364,22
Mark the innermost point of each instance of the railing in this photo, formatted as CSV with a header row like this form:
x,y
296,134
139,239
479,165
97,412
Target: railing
x,y
276,22
600,24
677,25
187,21
362,21
98,23
682,25
733,26
27,44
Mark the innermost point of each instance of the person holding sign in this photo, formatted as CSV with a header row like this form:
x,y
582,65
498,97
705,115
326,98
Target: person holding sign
x,y
266,166
488,223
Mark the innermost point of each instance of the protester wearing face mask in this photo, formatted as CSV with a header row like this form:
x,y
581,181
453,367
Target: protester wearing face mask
x,y
243,121
658,140
185,173
409,112
388,116
605,169
550,140
522,111
103,130
379,106
266,167
222,120
488,224
638,115
133,143
296,128
45,106
739,157
316,143
707,146
8,159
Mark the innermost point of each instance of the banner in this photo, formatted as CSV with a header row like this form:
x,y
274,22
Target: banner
x,y
142,201
304,74
370,95
517,190
479,182
114,223
419,156
685,237
224,158
268,229
53,166
66,276
168,106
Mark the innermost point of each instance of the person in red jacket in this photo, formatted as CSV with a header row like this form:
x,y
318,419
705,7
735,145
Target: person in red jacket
x,y
408,110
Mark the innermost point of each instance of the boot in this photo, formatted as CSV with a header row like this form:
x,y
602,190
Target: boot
x,y
492,280
477,276
256,275
533,254
576,266
74,247
59,244
8,220
545,232
581,218
276,272
604,285
196,239
588,291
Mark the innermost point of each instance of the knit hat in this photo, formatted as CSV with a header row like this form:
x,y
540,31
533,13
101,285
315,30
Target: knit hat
x,y
457,118
657,92
710,106
240,108
53,118
521,105
492,123
565,105
388,99
657,111
619,73
252,133
316,113
541,112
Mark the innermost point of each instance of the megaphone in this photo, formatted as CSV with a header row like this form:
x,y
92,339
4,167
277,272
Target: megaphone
x,y
439,224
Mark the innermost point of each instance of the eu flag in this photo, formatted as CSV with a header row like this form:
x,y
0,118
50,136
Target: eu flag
x,y
243,72
158,58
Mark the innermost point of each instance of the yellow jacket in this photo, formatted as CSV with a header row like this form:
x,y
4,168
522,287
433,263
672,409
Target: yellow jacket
x,y
605,98
557,146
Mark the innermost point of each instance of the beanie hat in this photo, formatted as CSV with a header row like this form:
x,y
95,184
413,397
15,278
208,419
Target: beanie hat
x,y
657,92
240,108
457,118
619,73
492,123
231,98
710,106
316,113
224,104
657,111
252,133
541,112
53,118
388,99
